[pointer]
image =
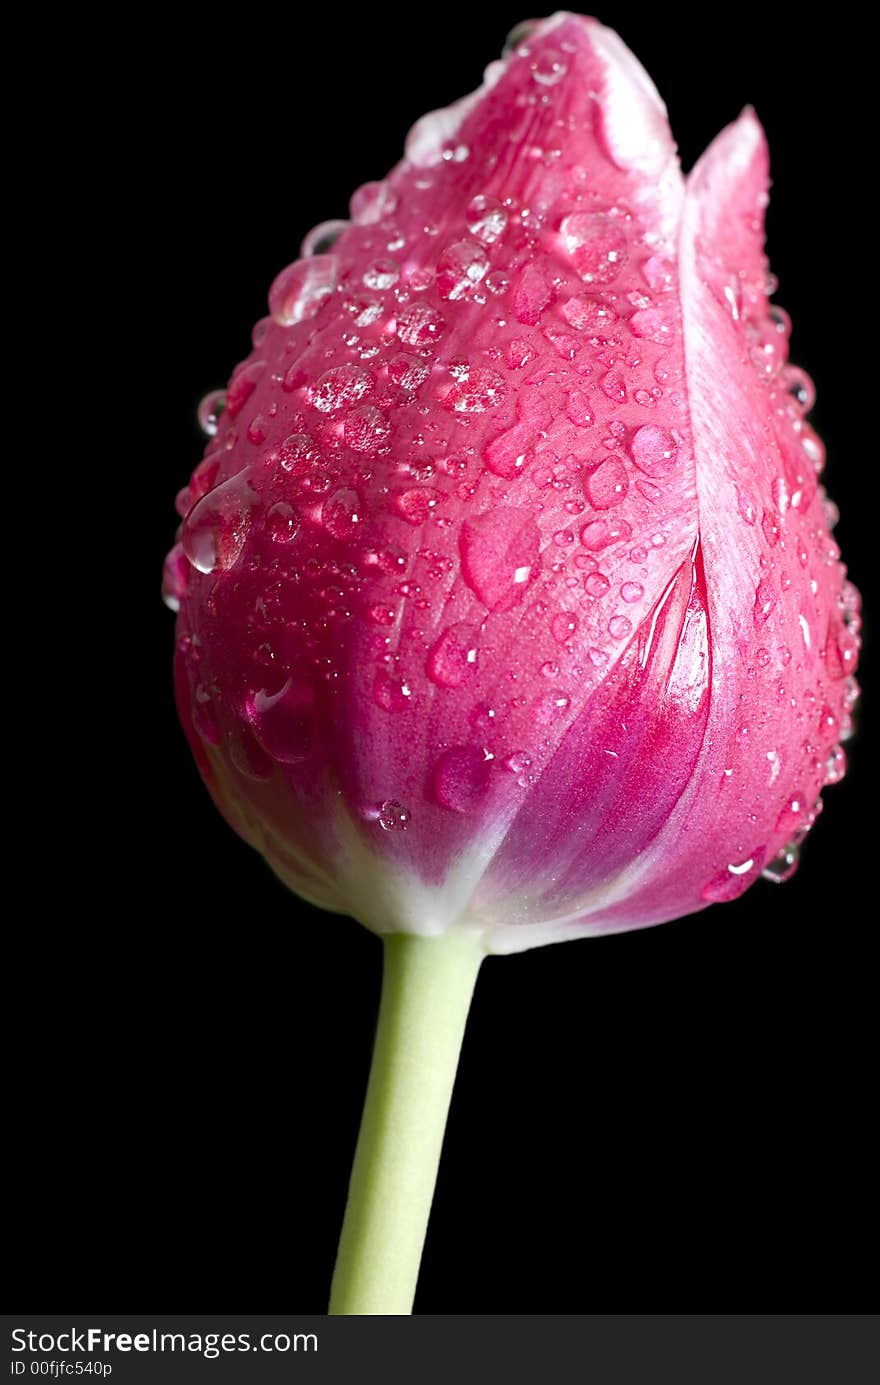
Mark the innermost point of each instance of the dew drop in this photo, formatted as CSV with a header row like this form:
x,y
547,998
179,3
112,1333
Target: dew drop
x,y
632,591
730,883
393,816
282,522
612,385
371,203
460,269
563,626
651,325
392,692
215,530
407,372
654,450
382,274
550,707
175,578
322,238
366,429
283,722
300,289
596,245
417,504
341,514
209,411
475,390
587,313
607,486
452,661
419,325
596,584
783,865
486,219
619,627
460,778
500,555
765,600
507,455
599,533
341,387
579,411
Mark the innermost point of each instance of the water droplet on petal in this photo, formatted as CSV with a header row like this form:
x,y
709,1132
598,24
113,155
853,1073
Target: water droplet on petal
x,y
486,219
783,865
619,627
209,411
607,485
381,274
597,246
215,530
175,578
341,514
730,883
282,522
393,816
300,289
452,661
460,778
283,722
371,203
596,584
460,269
341,387
366,429
563,626
323,237
654,450
392,692
765,600
475,389
500,555
632,591
599,533
419,325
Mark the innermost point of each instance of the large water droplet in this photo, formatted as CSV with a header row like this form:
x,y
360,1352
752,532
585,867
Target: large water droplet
x,y
486,219
419,325
392,691
382,274
372,202
589,314
341,387
783,865
597,246
322,237
460,778
341,514
215,530
730,883
393,816
366,429
507,455
209,411
283,722
460,269
607,485
499,555
301,288
474,390
654,450
452,661
175,578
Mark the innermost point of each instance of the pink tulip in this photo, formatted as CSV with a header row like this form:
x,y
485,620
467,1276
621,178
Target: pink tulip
x,y
508,598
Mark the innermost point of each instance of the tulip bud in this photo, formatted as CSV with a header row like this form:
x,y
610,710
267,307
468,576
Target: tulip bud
x,y
509,610
508,599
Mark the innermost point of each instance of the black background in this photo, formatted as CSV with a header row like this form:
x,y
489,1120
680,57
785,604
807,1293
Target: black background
x,y
673,1118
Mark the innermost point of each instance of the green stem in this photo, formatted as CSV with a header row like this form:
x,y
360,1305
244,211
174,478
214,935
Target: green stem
x,y
427,986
